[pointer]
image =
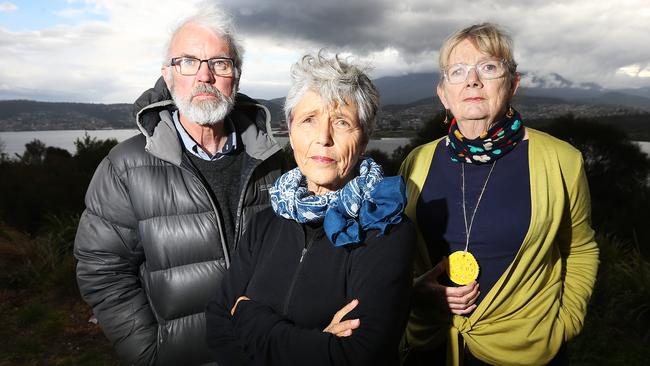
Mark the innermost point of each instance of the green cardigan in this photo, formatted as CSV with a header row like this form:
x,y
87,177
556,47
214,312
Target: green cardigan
x,y
541,299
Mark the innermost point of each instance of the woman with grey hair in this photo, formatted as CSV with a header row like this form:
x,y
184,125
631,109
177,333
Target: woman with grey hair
x,y
324,277
506,258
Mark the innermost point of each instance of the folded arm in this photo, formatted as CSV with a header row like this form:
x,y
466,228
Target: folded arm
x,y
380,279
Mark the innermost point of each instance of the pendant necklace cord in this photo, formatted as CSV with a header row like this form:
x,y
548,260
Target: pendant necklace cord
x,y
468,230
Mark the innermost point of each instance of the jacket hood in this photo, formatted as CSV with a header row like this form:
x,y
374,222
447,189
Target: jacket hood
x,y
153,116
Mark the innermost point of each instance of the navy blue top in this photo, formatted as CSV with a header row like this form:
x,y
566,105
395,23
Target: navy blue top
x,y
501,221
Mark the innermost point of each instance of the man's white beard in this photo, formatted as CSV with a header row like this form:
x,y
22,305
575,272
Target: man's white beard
x,y
204,112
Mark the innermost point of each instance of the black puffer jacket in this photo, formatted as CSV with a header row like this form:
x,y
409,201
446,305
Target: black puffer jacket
x,y
150,249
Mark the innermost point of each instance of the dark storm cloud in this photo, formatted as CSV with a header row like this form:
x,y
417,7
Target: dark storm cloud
x,y
584,40
360,26
114,58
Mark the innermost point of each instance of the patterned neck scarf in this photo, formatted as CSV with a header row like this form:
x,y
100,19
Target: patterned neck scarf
x,y
500,139
369,201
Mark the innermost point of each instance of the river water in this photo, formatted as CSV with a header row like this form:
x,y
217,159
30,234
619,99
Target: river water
x,y
15,141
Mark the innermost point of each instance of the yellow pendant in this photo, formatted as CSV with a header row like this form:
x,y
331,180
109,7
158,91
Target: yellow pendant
x,y
463,267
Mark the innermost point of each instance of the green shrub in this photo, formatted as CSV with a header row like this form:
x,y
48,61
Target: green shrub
x,y
32,313
617,326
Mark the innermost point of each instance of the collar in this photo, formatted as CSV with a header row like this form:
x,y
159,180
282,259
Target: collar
x,y
195,149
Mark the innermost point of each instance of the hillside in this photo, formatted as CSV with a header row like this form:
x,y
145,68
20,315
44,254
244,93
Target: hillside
x,y
26,115
407,101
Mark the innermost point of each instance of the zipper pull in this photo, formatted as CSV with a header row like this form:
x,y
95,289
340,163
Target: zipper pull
x,y
304,250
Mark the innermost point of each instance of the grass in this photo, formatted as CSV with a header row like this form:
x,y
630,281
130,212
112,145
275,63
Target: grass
x,y
44,322
47,330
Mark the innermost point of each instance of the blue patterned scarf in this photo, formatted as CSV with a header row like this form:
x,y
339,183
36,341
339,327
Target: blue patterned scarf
x,y
369,201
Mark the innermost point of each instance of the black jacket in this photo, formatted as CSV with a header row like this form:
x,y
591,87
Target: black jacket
x,y
296,282
149,245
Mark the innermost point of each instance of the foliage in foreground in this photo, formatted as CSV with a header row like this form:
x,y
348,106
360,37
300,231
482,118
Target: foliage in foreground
x,y
617,327
47,181
44,322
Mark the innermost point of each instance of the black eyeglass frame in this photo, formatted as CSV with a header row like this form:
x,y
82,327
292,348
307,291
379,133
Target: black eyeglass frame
x,y
211,61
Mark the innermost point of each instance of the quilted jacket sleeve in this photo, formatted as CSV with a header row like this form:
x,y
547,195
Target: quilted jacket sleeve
x,y
109,257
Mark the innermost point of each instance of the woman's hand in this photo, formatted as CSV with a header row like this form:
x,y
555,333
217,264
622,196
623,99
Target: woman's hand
x,y
343,328
457,300
241,298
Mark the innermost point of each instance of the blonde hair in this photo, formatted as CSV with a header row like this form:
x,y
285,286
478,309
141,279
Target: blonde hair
x,y
488,38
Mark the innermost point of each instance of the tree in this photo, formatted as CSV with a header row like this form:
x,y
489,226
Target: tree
x,y
432,129
55,155
48,181
3,155
389,165
617,171
34,152
90,151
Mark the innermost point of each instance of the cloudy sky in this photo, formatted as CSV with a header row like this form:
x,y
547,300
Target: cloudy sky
x,y
109,51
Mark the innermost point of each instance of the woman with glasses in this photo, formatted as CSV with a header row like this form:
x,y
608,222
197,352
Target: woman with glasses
x,y
324,277
506,258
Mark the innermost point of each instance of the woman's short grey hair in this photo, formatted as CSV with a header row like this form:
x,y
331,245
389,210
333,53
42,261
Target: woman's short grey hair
x,y
336,81
218,21
486,37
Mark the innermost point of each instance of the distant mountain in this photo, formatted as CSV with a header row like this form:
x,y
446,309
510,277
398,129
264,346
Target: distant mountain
x,y
275,107
536,110
429,101
396,90
406,101
25,115
278,101
553,81
642,92
618,98
407,88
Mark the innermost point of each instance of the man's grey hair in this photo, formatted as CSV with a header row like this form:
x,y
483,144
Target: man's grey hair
x,y
221,23
335,80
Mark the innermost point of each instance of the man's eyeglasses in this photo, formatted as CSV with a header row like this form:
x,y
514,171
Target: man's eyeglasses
x,y
220,66
486,70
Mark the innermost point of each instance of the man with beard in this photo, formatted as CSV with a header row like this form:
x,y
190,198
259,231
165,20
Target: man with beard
x,y
165,209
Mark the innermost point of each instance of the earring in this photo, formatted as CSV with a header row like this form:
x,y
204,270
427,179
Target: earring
x,y
510,112
446,121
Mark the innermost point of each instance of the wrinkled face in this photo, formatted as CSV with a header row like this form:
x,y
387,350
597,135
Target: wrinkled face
x,y
475,99
202,98
327,141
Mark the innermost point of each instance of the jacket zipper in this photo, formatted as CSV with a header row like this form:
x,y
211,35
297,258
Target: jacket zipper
x,y
285,308
224,246
240,205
